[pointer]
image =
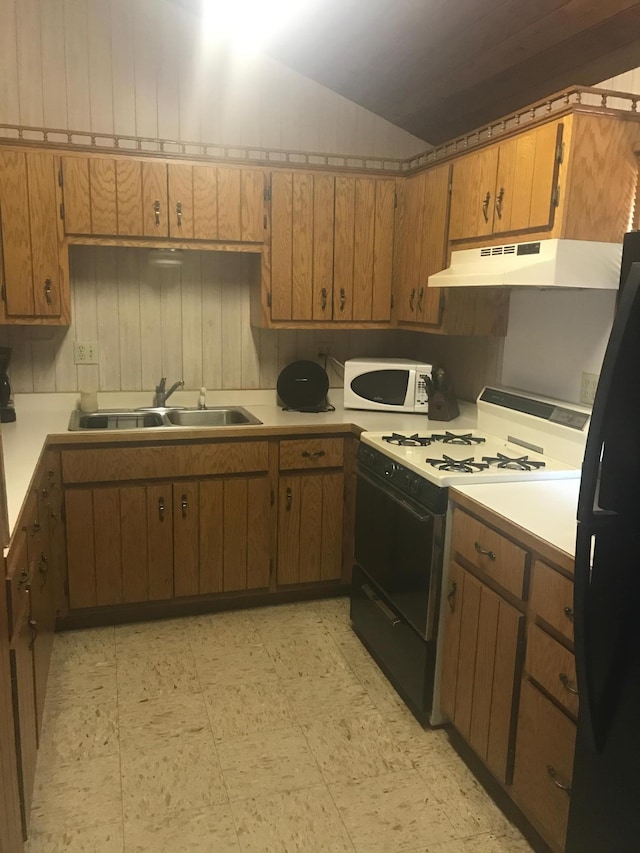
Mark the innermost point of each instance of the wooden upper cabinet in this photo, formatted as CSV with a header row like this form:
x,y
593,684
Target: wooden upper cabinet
x,y
35,269
422,245
363,248
302,229
507,187
155,221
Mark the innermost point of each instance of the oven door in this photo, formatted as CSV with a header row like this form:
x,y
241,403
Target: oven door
x,y
398,544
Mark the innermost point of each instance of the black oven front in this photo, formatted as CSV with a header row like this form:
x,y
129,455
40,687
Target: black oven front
x,y
399,541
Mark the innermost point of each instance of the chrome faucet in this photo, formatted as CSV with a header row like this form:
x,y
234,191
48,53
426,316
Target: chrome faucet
x,y
161,395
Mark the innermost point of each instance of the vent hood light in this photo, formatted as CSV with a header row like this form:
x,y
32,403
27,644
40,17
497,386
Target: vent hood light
x,y
164,258
574,264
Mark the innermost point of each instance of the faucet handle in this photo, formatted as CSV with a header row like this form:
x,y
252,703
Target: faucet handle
x,y
161,385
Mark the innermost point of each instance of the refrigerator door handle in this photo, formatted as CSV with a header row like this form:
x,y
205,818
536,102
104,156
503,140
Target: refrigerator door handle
x,y
582,576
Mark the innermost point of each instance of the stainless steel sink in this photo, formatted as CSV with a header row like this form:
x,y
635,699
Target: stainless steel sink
x,y
216,416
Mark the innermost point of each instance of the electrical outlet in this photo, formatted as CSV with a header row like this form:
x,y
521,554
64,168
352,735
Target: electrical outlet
x,y
588,388
85,352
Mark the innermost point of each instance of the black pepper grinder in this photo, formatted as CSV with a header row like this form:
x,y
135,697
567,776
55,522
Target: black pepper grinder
x,y
7,412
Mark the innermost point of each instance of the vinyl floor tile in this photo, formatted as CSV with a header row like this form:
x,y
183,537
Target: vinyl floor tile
x,y
170,636
208,831
77,728
301,821
267,762
247,708
149,676
145,723
338,692
175,775
107,838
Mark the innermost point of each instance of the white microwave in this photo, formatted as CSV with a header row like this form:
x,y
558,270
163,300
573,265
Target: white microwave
x,y
386,384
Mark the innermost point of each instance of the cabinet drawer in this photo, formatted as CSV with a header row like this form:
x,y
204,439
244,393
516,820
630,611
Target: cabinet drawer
x,y
142,463
552,598
543,764
312,453
553,667
496,557
17,581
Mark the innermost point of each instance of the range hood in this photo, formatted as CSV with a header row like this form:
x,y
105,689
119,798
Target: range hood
x,y
544,263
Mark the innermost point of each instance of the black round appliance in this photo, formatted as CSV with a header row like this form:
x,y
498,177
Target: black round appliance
x,y
303,386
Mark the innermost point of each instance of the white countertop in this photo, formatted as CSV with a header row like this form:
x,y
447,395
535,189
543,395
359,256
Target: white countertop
x,y
546,508
40,415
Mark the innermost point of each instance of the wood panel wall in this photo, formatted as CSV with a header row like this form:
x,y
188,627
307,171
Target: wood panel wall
x,y
190,322
142,68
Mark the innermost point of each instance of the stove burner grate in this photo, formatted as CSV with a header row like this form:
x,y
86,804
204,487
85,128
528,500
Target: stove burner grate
x,y
515,463
464,466
414,440
452,438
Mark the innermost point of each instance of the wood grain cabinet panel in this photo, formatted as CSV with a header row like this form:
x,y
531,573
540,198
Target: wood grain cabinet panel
x,y
181,195
482,662
552,598
422,245
553,667
544,765
36,285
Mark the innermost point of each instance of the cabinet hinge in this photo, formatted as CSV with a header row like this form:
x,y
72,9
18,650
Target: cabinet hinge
x,y
555,196
560,152
60,177
269,299
267,193
61,210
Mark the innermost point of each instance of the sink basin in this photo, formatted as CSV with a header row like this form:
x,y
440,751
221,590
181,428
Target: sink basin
x,y
215,416
115,419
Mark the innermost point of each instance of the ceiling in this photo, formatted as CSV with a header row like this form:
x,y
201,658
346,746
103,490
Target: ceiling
x,y
439,68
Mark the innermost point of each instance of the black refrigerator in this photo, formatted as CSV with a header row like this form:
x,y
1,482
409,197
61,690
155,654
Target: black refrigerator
x,y
604,815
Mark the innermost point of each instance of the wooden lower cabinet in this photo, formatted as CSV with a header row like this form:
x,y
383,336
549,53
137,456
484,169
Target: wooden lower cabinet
x,y
310,521
481,668
544,765
24,710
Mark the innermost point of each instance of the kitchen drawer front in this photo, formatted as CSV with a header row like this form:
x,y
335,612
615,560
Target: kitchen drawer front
x,y
543,764
167,461
18,579
311,453
553,667
552,598
494,555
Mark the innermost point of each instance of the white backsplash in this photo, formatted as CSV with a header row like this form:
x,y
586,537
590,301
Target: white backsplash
x,y
190,322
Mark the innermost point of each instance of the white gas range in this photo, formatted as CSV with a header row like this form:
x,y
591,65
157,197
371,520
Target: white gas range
x,y
519,437
401,519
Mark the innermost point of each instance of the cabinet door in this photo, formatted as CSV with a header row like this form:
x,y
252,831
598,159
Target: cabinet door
x,y
473,194
302,229
310,516
481,666
240,205
154,200
526,179
422,236
77,195
30,240
129,195
363,248
180,200
185,538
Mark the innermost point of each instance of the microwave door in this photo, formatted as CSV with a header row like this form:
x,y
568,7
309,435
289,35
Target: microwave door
x,y
384,387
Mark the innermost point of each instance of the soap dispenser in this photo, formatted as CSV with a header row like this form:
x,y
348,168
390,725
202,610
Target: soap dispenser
x,y
202,399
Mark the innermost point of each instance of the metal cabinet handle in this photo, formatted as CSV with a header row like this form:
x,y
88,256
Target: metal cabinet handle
x,y
33,627
161,508
412,299
316,454
485,553
323,299
343,298
185,506
567,684
47,290
35,528
553,775
156,211
499,201
386,611
451,596
568,612
179,212
289,498
485,206
24,577
420,298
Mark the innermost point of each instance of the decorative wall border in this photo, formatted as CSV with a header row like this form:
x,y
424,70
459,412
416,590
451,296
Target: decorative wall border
x,y
583,98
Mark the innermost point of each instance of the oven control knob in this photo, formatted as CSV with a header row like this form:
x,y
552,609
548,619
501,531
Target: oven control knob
x,y
415,485
390,469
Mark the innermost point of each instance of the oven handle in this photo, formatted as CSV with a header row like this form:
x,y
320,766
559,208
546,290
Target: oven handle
x,y
420,516
386,611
